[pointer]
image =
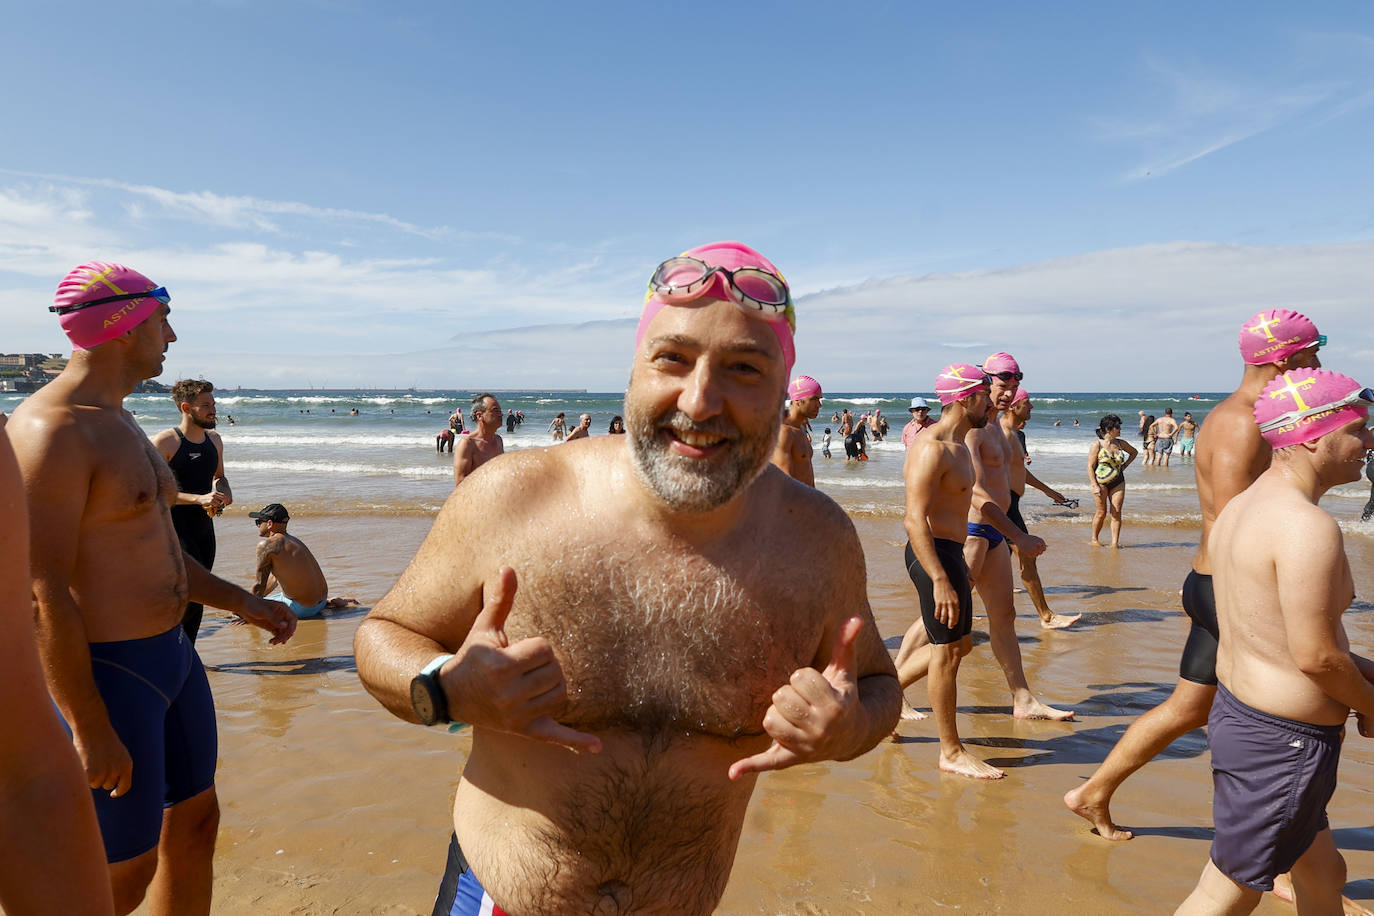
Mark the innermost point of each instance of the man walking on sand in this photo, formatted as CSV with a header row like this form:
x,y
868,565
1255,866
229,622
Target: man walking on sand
x,y
483,443
1013,420
793,450
111,582
687,616
195,453
1231,455
986,548
939,488
1287,678
287,570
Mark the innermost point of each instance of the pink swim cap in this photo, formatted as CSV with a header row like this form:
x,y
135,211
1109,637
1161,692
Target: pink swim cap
x,y
94,325
959,380
1305,404
1000,362
731,256
1021,395
1275,333
803,387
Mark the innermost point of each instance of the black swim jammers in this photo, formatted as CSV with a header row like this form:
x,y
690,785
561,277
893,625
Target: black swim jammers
x,y
1199,662
951,554
1272,779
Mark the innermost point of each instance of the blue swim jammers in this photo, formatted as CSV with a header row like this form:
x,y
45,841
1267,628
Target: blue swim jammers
x,y
460,893
159,704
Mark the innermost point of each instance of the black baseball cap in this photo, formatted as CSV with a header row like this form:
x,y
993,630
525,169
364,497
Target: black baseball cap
x,y
272,512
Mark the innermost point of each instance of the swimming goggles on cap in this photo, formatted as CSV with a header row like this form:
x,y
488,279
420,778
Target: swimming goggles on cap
x,y
1007,376
1362,398
160,294
684,278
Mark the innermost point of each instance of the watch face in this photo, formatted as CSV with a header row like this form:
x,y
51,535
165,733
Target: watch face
x,y
422,702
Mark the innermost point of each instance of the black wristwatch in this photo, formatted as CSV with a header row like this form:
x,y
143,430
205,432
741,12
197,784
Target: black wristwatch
x,y
427,695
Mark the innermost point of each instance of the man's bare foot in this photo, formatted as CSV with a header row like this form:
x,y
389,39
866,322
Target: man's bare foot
x,y
1116,545
1095,542
1034,709
1059,621
1283,889
911,713
1097,815
341,602
965,764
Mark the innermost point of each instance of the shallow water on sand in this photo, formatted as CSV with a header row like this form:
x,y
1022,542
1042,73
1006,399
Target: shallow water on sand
x,y
330,805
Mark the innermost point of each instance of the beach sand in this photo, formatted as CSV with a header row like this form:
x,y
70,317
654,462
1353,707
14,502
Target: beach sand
x,y
331,805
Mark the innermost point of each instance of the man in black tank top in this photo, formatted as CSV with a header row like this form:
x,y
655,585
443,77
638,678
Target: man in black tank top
x,y
196,457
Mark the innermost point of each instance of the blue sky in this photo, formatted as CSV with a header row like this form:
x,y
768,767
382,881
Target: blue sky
x,y
472,195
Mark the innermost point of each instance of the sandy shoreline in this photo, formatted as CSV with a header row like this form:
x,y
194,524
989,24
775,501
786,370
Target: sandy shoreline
x,y
330,805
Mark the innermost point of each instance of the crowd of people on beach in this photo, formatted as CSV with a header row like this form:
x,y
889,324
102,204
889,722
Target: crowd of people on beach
x,y
635,628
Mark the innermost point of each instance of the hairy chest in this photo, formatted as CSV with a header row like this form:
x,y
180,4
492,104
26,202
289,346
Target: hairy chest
x,y
657,641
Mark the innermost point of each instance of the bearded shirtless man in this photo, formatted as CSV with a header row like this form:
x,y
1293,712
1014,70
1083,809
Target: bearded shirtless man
x,y
793,452
111,582
685,616
1231,455
939,487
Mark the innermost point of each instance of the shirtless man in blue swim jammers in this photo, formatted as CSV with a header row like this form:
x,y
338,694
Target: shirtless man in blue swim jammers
x,y
111,581
1287,680
287,570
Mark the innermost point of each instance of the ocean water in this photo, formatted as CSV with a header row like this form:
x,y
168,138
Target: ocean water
x,y
305,449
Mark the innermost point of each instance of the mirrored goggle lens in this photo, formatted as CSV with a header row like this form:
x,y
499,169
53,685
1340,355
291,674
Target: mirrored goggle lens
x,y
679,274
761,286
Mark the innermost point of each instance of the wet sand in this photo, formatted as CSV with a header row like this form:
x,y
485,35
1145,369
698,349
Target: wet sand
x,y
330,805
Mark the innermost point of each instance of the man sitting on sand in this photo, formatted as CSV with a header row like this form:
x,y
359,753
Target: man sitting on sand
x,y
287,569
483,443
688,616
1287,678
793,451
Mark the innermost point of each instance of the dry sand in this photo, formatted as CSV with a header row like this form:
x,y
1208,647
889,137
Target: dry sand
x,y
330,805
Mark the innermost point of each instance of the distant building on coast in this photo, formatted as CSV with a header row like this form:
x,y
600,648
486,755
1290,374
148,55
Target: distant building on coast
x,y
25,373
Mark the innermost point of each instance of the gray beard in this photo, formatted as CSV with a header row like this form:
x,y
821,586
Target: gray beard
x,y
692,485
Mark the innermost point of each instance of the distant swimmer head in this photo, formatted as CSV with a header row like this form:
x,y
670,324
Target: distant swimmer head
x,y
1301,405
1274,334
958,381
730,271
803,387
99,301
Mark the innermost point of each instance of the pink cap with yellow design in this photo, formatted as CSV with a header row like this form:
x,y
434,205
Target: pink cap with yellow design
x,y
803,387
1273,334
1305,404
89,326
959,380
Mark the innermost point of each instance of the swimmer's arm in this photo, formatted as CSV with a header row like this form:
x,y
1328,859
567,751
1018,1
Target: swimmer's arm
x,y
220,484
801,461
1313,590
1231,468
59,867
1049,491
268,548
463,459
880,694
1129,449
57,470
207,588
428,612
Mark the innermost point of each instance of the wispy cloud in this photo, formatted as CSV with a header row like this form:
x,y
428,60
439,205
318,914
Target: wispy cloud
x,y
241,212
1204,111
